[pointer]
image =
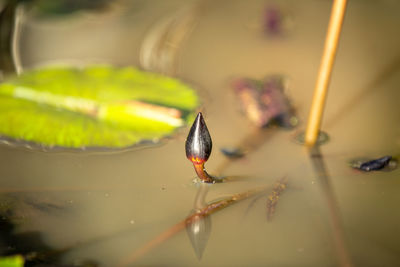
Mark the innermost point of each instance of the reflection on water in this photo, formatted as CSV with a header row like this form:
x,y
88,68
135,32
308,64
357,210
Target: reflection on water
x,y
199,228
324,178
113,204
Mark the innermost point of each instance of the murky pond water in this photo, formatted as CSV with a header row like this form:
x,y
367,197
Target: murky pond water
x,y
104,207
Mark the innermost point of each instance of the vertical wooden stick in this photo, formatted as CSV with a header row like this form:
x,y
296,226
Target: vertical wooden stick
x,y
325,70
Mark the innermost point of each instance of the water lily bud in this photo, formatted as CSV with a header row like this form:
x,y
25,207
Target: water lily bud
x,y
198,143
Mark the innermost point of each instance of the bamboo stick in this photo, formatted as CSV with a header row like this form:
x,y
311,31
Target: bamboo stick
x,y
325,70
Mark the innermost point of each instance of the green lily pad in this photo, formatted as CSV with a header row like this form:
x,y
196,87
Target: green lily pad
x,y
95,106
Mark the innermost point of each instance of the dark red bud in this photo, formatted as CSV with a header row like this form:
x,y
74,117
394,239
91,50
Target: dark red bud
x,y
198,143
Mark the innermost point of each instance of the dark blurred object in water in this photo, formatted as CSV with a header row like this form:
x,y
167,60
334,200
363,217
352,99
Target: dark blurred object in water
x,y
29,244
232,152
376,164
264,102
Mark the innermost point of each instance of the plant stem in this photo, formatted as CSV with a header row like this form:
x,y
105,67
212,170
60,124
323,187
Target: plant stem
x,y
325,71
202,174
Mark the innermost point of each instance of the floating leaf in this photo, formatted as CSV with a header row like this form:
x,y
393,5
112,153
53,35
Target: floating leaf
x,y
96,106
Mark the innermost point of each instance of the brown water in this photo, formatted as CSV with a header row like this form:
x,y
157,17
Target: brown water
x,y
105,206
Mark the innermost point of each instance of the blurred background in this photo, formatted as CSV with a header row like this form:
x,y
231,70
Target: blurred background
x,y
88,208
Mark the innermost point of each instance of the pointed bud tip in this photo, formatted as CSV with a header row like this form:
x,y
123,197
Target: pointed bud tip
x,y
199,120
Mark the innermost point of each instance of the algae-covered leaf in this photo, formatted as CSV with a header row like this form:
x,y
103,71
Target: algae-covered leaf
x,y
95,106
12,261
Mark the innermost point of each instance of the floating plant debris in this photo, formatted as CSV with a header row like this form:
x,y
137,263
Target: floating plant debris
x,y
264,102
233,153
273,198
375,164
198,148
279,186
95,106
